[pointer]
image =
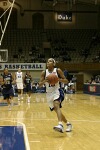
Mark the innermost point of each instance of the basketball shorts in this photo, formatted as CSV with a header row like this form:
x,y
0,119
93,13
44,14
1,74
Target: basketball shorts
x,y
28,88
57,95
7,93
19,86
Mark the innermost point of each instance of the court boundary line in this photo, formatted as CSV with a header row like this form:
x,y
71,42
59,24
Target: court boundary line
x,y
27,146
25,136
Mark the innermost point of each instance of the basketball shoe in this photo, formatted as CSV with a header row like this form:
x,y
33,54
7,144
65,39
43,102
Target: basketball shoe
x,y
59,128
69,127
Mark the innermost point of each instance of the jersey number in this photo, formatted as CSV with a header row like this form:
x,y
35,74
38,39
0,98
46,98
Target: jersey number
x,y
19,76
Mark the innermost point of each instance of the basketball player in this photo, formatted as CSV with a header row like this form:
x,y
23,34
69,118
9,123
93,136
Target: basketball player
x,y
54,95
19,83
7,91
28,85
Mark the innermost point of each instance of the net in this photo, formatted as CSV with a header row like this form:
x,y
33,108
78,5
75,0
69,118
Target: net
x,y
7,7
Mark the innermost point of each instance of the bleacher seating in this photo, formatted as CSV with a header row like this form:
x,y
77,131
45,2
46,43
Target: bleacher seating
x,y
66,44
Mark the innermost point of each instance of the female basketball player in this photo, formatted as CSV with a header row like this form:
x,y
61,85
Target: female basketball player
x,y
28,85
19,82
53,94
7,81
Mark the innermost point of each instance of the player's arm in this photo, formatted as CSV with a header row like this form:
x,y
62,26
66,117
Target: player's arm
x,y
31,78
23,77
24,81
32,81
13,79
42,79
2,81
14,76
62,78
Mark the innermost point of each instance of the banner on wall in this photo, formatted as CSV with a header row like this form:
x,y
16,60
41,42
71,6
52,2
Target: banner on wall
x,y
64,16
23,66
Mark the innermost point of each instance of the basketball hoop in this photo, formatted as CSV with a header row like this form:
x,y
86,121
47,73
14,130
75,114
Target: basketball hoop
x,y
7,6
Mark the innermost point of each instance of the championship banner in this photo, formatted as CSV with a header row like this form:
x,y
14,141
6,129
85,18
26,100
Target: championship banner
x,y
23,66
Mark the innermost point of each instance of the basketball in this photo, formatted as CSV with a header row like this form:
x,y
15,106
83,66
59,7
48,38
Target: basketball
x,y
52,78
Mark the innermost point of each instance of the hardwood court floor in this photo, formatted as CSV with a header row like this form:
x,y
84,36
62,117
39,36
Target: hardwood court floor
x,y
82,110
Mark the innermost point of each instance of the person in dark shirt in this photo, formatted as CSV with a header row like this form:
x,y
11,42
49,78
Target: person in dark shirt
x,y
7,91
66,74
28,85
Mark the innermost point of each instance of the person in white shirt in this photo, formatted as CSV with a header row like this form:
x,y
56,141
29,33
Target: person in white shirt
x,y
19,83
55,94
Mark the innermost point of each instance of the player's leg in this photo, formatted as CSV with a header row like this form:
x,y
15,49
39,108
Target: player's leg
x,y
59,127
19,94
57,110
7,98
60,99
21,89
8,101
29,93
29,97
5,93
68,124
61,118
54,105
18,90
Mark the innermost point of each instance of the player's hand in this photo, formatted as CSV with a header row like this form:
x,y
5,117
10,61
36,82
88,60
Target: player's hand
x,y
46,80
59,79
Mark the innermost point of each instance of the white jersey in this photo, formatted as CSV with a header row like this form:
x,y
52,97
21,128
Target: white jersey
x,y
19,77
50,88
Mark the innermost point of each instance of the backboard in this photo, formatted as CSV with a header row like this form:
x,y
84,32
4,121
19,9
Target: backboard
x,y
3,55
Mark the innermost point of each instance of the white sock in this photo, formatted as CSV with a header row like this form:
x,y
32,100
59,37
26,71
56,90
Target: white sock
x,y
68,123
60,122
19,96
